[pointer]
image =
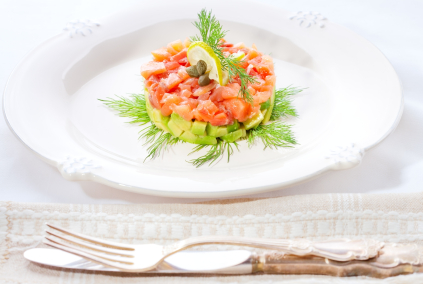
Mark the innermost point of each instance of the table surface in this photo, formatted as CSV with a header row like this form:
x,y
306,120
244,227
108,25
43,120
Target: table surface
x,y
396,165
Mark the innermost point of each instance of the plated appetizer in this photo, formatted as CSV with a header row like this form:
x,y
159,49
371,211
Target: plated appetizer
x,y
209,92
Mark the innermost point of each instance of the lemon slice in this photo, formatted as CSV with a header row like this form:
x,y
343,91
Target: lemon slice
x,y
225,77
199,50
239,55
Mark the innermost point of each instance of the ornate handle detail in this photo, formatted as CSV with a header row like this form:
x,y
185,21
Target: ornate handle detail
x,y
394,255
393,259
339,250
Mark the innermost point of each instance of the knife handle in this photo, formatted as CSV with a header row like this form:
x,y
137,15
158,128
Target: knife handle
x,y
394,259
337,249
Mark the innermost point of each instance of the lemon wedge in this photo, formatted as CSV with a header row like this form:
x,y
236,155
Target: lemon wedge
x,y
199,50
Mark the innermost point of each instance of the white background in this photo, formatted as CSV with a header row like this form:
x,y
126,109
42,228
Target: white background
x,y
396,165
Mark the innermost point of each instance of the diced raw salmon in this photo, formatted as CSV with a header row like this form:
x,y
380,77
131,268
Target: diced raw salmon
x,y
187,42
171,89
176,45
204,97
180,55
252,54
152,68
206,109
182,73
219,119
172,81
183,110
262,97
161,54
171,65
239,108
186,93
202,90
167,101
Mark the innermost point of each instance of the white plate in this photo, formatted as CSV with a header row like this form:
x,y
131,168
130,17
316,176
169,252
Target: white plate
x,y
352,103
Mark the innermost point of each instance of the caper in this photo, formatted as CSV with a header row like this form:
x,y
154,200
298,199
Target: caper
x,y
201,67
204,80
192,71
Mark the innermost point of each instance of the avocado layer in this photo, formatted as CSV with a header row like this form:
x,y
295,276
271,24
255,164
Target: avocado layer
x,y
211,130
189,137
234,126
254,121
180,122
233,136
199,127
270,109
199,132
174,129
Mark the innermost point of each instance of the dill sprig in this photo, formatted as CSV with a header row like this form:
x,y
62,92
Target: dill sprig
x,y
133,107
283,103
159,140
273,135
215,152
212,32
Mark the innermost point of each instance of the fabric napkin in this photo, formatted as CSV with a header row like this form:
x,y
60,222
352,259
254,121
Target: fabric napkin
x,y
386,217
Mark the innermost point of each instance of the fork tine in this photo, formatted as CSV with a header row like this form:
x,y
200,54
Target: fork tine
x,y
77,241
104,256
88,256
92,239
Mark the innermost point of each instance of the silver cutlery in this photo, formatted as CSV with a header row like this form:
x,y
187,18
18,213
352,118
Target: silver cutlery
x,y
393,259
145,257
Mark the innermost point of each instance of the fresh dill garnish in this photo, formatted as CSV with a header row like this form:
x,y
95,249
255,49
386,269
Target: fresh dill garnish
x,y
283,103
272,135
211,32
214,152
133,107
158,139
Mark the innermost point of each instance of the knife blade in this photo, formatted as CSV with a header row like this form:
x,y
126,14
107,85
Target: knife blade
x,y
214,262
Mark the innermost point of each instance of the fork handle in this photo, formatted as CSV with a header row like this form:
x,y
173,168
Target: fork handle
x,y
337,249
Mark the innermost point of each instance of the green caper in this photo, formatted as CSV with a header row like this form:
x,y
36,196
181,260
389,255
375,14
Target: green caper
x,y
204,80
201,67
192,71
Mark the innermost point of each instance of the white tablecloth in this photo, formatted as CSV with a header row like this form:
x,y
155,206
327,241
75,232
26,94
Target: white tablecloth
x,y
396,165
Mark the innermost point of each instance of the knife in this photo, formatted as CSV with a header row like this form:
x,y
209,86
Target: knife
x,y
216,262
394,259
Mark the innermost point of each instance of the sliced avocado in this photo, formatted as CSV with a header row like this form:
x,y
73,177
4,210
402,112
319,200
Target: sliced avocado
x,y
263,112
206,140
199,127
148,104
244,131
160,120
265,105
233,127
269,110
211,130
221,131
182,123
254,121
233,136
189,137
174,129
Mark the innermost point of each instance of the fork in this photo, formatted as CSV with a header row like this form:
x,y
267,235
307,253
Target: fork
x,y
144,257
